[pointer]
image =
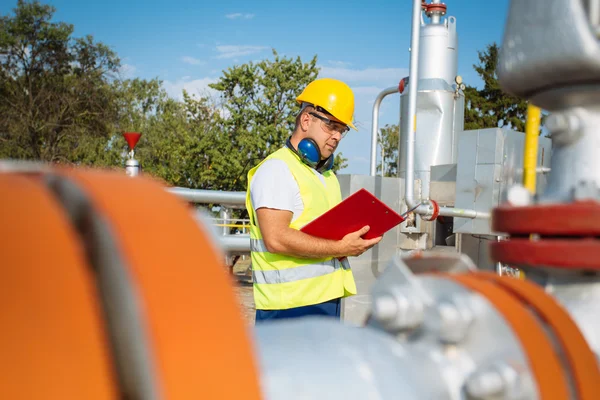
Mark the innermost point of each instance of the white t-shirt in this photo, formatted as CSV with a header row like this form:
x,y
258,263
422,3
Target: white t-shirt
x,y
274,186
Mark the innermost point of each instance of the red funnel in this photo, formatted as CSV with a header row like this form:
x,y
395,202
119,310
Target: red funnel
x,y
132,138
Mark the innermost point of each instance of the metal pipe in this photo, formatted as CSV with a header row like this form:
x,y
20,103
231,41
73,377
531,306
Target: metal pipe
x,y
232,244
411,121
435,18
200,196
462,213
375,127
532,128
225,217
423,208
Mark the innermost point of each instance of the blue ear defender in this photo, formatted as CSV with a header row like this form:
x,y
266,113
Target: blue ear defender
x,y
309,153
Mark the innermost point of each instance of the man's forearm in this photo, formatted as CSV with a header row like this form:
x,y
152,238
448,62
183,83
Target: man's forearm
x,y
294,243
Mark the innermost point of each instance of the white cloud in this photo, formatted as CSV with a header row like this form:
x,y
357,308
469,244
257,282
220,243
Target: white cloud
x,y
196,87
239,16
191,60
232,51
339,64
127,70
390,75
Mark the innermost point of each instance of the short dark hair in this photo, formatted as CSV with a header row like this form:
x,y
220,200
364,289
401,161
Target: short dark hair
x,y
306,108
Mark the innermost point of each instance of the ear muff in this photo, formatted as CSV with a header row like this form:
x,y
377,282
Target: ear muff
x,y
327,165
309,153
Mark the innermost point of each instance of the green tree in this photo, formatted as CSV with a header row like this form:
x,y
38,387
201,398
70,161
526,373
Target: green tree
x,y
260,108
491,107
187,146
54,89
388,138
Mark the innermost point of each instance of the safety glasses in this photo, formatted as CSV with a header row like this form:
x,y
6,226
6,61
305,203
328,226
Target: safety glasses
x,y
330,126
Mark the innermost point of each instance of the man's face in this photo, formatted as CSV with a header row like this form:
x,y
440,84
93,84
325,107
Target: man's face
x,y
326,130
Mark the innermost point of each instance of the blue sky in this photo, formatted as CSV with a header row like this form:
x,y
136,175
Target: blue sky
x,y
188,43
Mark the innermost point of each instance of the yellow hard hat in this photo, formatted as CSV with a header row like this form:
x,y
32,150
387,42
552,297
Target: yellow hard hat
x,y
333,96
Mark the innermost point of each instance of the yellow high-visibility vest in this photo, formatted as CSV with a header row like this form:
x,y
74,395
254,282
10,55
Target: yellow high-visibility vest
x,y
281,281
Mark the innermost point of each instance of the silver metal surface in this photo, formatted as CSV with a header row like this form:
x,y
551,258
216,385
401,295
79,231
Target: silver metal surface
x,y
575,160
132,167
551,57
429,337
408,124
439,42
476,247
488,160
437,340
375,127
580,295
439,100
24,166
224,215
547,45
440,116
316,358
369,265
461,332
228,199
435,113
435,17
442,186
235,244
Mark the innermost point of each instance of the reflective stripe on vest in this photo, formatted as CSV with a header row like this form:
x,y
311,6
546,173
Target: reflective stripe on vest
x,y
258,246
298,273
283,281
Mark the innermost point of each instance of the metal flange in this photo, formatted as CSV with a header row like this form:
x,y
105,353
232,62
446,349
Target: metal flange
x,y
557,253
581,218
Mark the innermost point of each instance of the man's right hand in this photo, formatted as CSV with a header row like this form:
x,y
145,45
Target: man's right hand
x,y
354,245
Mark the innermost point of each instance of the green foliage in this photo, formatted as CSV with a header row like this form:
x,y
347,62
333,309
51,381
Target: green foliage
x,y
62,100
54,89
388,138
491,107
259,99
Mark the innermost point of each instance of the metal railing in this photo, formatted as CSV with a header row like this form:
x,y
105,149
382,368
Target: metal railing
x,y
230,243
201,196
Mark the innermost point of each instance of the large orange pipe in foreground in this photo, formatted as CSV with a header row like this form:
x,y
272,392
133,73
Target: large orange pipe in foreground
x,y
66,234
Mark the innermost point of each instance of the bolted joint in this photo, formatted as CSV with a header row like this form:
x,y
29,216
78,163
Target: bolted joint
x,y
397,311
456,319
499,380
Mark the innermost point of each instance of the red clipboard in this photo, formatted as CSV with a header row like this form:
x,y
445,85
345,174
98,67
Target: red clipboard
x,y
357,210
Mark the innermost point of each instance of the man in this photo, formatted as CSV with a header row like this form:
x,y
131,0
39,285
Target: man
x,y
296,274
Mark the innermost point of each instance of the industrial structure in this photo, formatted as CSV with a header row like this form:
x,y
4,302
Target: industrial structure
x,y
108,305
